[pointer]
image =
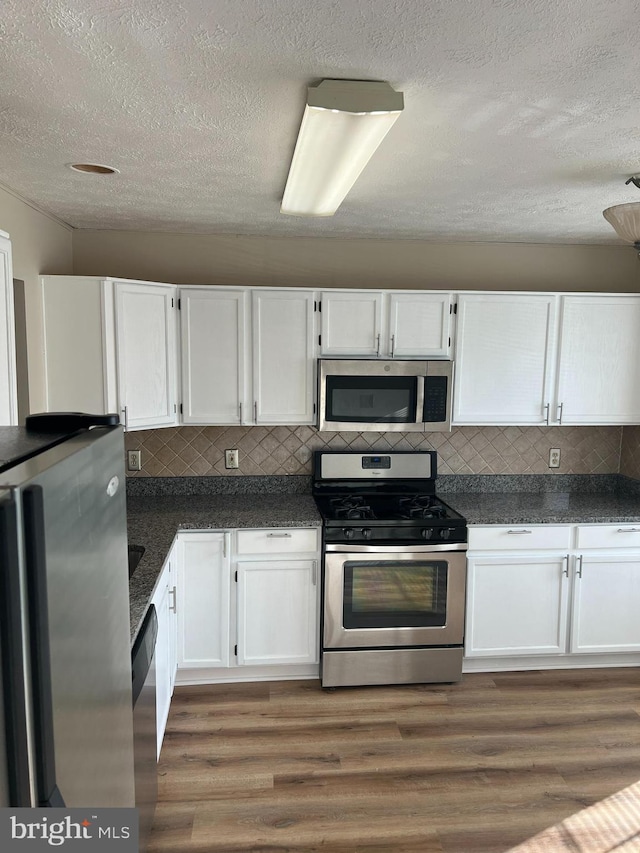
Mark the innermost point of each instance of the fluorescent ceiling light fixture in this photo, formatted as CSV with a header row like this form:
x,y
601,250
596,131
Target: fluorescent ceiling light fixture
x,y
343,123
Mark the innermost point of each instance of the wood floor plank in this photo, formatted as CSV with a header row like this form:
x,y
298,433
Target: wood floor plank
x,y
474,767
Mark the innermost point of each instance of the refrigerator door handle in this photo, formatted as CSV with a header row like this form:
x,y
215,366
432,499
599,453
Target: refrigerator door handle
x,y
36,571
13,674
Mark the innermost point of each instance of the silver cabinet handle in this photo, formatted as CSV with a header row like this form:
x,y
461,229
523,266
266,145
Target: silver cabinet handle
x,y
173,607
546,418
560,413
629,530
240,411
125,410
378,346
255,411
393,345
278,535
518,532
565,571
579,566
314,572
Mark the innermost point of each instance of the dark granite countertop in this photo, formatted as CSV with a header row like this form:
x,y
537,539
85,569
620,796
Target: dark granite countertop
x,y
543,499
154,520
545,507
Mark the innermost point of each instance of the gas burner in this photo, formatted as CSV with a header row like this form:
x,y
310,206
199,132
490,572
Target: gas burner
x,y
351,507
421,506
347,502
424,501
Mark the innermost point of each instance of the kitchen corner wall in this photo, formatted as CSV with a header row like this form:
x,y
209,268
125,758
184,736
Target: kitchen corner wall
x,y
199,451
630,452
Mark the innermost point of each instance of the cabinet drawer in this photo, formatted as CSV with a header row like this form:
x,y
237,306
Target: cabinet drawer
x,y
609,536
277,540
519,537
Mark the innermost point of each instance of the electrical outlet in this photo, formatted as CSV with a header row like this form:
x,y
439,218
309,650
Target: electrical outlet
x,y
231,459
134,460
554,457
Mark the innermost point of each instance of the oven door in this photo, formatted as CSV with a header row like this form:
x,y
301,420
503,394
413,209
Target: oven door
x,y
376,596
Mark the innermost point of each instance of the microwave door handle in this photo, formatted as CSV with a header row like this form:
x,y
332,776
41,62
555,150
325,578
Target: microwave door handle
x,y
419,419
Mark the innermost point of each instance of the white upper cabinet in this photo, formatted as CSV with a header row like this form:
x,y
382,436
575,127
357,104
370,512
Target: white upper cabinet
x,y
283,357
247,358
110,346
146,349
599,360
8,390
214,324
351,322
504,358
392,324
419,325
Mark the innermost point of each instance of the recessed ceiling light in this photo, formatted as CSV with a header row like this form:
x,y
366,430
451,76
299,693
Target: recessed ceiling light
x,y
93,168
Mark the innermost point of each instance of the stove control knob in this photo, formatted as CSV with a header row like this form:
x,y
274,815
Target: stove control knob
x,y
427,533
445,533
366,533
349,532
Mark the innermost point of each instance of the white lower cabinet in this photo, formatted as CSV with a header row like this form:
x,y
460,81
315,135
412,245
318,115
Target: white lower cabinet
x,y
164,600
516,605
203,600
277,612
553,602
606,603
247,603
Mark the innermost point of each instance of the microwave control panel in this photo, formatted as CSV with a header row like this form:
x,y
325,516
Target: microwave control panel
x,y
435,399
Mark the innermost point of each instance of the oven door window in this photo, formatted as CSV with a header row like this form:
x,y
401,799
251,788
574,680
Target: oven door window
x,y
388,594
371,399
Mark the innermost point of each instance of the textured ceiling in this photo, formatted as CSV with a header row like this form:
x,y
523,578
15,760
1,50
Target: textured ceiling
x,y
521,118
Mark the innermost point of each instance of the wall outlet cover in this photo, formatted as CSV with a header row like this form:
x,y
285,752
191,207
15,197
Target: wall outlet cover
x,y
134,460
554,457
231,459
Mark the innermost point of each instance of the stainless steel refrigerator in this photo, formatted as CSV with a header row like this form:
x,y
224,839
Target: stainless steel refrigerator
x,y
66,733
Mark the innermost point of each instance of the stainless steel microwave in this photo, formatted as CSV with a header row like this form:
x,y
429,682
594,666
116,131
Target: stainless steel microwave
x,y
360,395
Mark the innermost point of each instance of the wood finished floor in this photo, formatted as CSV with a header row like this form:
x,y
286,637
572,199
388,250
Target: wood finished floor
x,y
474,767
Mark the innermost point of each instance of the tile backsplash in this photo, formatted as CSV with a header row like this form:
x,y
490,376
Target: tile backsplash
x,y
630,452
199,451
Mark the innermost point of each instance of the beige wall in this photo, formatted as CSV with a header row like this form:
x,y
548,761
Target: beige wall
x,y
40,244
323,262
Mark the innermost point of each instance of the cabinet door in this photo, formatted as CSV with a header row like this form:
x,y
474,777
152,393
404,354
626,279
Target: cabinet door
x,y
504,352
203,600
277,612
419,325
162,655
516,606
8,390
283,357
599,360
351,323
214,356
606,603
146,352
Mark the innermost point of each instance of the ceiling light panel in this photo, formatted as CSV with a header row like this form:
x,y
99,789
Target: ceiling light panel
x,y
343,124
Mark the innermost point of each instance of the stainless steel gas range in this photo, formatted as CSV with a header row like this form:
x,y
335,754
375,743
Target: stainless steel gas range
x,y
394,570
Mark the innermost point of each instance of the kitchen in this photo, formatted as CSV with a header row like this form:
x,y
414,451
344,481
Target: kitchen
x,y
448,256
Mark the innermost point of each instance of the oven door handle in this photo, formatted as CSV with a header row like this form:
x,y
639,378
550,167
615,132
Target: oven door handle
x,y
390,550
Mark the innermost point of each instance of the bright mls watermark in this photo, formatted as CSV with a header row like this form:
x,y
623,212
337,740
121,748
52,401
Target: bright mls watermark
x,y
36,830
